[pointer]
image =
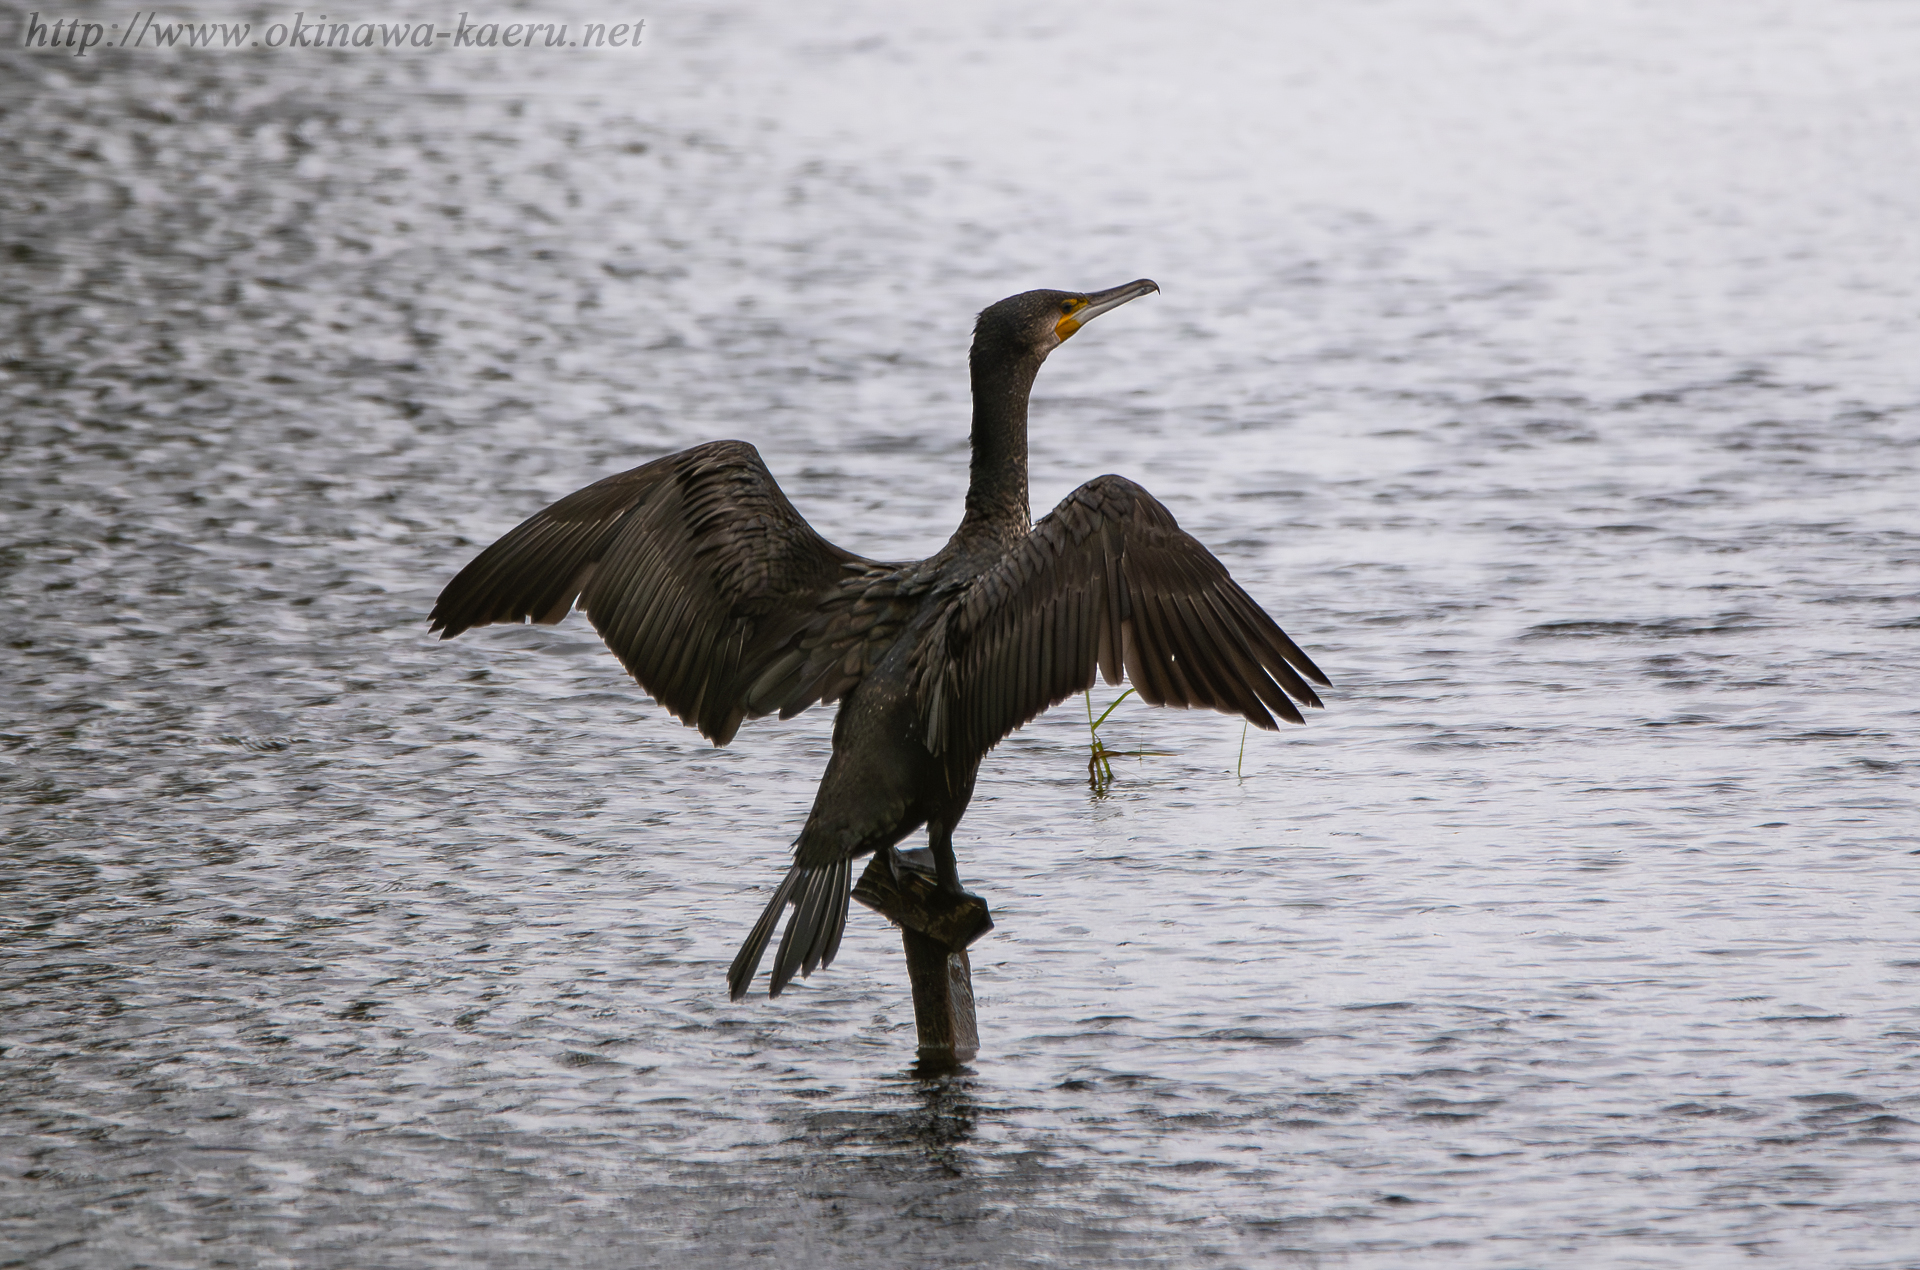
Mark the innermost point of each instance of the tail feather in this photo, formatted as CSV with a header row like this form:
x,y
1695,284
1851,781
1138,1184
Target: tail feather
x,y
747,961
838,926
819,896
819,915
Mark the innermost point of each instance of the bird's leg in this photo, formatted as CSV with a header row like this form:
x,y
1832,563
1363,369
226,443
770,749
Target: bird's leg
x,y
940,838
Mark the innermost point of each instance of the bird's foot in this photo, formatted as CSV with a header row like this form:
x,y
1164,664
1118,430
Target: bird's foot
x,y
921,902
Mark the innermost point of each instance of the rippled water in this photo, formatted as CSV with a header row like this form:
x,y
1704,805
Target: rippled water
x,y
1548,371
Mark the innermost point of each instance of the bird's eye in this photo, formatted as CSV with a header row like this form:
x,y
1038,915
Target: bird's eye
x,y
1066,306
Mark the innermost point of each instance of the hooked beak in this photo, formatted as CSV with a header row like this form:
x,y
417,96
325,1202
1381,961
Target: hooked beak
x,y
1099,302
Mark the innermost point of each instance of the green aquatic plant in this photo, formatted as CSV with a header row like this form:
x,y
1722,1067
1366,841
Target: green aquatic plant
x,y
1100,758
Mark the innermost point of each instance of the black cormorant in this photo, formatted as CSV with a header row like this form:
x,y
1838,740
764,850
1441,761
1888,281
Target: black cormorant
x,y
726,605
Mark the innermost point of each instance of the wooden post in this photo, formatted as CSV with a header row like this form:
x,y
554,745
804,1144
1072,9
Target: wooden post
x,y
936,929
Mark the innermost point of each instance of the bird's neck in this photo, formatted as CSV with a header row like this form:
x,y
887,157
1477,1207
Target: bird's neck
x,y
997,495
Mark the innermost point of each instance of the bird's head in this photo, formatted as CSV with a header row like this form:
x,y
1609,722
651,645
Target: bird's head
x,y
1034,323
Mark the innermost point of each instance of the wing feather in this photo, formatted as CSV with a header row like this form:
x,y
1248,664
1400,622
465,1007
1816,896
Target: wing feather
x,y
701,577
1107,584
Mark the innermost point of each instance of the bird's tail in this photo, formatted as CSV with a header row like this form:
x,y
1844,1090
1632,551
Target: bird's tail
x,y
819,895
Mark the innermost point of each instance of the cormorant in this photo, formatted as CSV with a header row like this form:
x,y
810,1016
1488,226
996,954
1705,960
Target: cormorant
x,y
725,605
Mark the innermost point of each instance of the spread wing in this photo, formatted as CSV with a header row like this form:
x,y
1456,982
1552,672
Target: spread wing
x,y
702,578
1107,580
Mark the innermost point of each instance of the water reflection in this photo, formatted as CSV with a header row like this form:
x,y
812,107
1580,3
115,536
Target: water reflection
x,y
912,1134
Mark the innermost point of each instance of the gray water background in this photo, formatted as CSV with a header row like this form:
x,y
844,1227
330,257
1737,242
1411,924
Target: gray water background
x,y
1546,368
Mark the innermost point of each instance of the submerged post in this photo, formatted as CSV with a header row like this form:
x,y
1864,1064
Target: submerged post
x,y
936,929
